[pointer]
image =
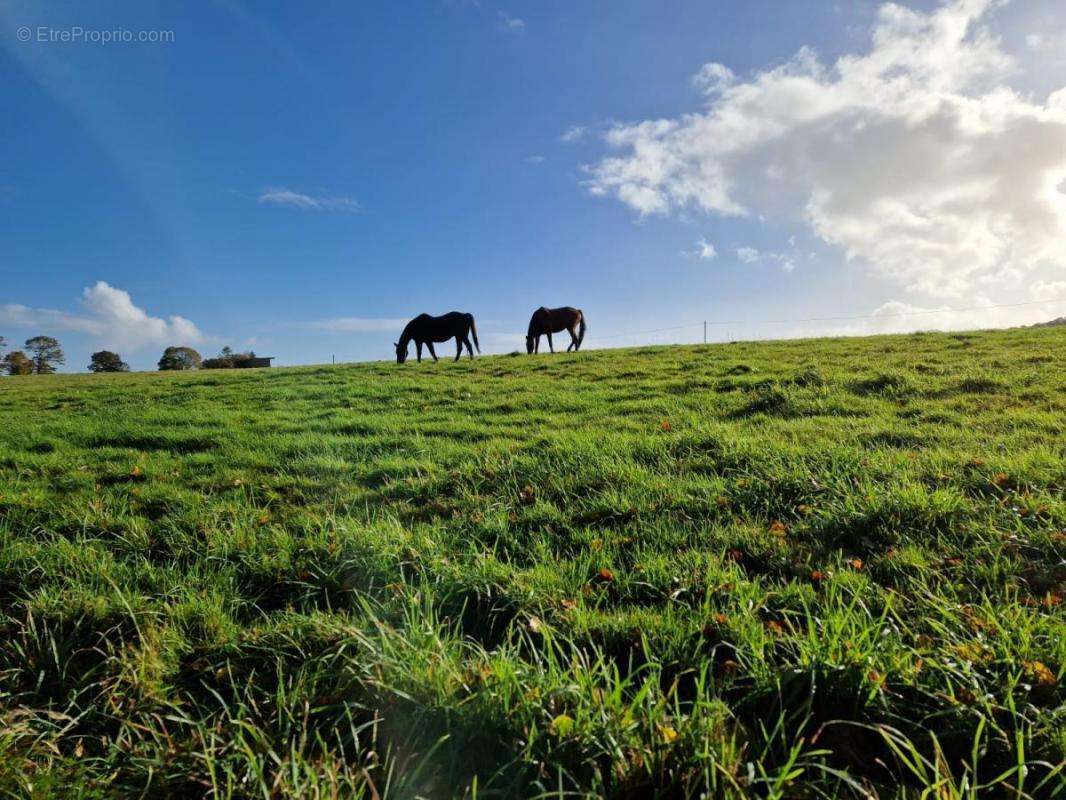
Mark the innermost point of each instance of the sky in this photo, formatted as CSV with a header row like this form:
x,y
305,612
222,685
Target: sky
x,y
300,179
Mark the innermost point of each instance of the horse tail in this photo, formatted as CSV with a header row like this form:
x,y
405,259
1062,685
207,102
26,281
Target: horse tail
x,y
580,330
473,332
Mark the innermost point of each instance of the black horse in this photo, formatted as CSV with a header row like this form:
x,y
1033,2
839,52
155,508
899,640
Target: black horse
x,y
425,330
553,320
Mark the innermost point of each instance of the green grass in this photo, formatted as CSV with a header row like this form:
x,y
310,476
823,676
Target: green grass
x,y
822,568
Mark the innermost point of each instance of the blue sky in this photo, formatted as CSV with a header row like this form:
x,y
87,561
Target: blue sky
x,y
297,177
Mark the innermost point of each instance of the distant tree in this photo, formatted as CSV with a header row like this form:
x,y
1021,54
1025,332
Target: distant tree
x,y
16,363
177,358
106,361
45,353
3,342
224,360
227,359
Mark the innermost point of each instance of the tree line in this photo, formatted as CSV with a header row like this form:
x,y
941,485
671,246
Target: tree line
x,y
42,355
187,358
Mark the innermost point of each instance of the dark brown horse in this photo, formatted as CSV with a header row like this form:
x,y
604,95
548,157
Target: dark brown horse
x,y
425,330
553,320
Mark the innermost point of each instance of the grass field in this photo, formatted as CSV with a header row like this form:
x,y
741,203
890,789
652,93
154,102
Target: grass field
x,y
822,568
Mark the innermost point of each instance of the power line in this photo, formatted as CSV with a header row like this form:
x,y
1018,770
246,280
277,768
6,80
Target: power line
x,y
825,319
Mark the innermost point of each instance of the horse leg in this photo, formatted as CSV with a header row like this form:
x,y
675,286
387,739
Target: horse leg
x,y
418,350
432,352
550,345
573,340
458,348
536,345
469,349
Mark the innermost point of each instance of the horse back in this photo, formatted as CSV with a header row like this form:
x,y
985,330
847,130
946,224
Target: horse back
x,y
565,317
426,327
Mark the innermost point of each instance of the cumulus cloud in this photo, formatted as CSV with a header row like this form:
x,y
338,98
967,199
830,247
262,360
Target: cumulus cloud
x,y
279,196
749,255
108,315
356,324
915,158
124,323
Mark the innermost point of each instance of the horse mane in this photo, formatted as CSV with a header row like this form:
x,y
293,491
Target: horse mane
x,y
406,335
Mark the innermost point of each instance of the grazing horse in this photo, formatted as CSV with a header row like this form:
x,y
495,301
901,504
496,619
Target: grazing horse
x,y
553,320
425,330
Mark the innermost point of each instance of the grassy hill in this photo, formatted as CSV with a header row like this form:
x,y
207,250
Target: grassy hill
x,y
786,569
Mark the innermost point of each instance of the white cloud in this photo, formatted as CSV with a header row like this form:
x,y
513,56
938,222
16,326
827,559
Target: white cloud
x,y
897,316
713,78
915,158
285,197
749,255
1048,290
575,133
785,260
126,324
535,159
705,250
1047,44
110,317
511,24
356,324
20,316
